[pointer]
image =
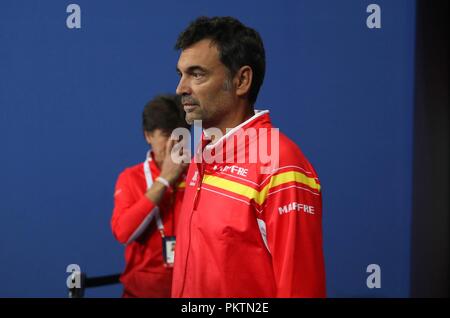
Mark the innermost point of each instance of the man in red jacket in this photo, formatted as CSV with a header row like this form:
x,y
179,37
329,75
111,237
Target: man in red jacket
x,y
249,227
147,202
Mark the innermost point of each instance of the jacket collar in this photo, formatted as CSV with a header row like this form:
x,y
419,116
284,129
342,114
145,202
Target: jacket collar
x,y
256,120
219,148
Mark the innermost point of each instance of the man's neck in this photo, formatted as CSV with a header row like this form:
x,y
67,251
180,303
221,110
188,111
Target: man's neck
x,y
237,119
229,124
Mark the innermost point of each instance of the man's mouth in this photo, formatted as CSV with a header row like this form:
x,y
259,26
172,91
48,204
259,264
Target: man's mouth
x,y
189,107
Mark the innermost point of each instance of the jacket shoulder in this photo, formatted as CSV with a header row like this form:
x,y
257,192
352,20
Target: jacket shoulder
x,y
290,154
131,171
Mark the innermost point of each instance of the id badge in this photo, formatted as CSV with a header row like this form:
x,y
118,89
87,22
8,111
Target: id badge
x,y
169,250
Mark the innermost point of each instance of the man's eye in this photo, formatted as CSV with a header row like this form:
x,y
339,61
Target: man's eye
x,y
197,75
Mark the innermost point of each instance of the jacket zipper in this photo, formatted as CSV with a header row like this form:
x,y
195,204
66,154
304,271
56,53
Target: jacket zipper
x,y
198,185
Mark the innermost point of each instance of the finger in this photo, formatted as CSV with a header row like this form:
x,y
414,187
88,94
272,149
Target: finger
x,y
169,145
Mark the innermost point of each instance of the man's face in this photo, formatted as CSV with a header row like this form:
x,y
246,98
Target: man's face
x,y
205,85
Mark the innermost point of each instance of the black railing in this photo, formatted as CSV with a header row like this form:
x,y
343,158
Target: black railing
x,y
81,281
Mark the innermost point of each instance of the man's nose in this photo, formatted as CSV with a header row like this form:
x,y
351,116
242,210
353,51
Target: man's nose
x,y
183,87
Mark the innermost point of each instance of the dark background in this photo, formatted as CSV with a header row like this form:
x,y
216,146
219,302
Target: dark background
x,y
430,257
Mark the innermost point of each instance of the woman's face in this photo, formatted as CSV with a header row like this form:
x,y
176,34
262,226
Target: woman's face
x,y
157,140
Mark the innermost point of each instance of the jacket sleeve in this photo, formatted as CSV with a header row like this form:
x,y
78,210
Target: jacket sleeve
x,y
130,217
293,216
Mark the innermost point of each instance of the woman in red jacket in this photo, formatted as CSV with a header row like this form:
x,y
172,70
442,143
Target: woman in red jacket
x,y
147,200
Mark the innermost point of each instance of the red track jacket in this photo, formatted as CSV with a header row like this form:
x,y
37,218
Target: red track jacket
x,y
243,233
145,274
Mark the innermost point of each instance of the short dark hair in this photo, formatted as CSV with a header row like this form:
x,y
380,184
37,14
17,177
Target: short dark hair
x,y
164,112
238,45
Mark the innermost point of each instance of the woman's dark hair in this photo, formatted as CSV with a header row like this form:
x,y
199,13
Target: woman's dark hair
x,y
164,112
238,46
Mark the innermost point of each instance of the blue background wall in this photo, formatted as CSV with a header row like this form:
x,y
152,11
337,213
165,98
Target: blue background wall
x,y
70,107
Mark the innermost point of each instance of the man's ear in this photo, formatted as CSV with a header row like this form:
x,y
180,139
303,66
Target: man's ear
x,y
243,80
148,137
